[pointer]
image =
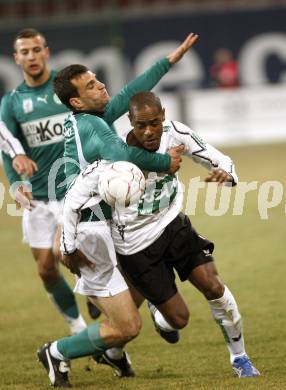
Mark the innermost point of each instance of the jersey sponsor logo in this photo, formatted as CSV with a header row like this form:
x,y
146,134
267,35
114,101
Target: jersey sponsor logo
x,y
42,99
44,131
28,106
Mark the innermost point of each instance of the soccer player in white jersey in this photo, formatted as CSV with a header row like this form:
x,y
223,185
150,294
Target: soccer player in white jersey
x,y
152,238
170,242
12,146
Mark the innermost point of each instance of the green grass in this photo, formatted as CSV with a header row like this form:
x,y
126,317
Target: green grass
x,y
250,255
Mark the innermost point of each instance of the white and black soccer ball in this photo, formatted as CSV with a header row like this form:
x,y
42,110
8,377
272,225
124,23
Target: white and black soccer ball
x,y
122,184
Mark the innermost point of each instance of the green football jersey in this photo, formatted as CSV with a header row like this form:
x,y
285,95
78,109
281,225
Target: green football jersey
x,y
36,117
91,136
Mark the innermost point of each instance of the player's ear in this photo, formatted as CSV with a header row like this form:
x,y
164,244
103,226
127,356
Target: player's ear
x,y
16,58
48,52
76,103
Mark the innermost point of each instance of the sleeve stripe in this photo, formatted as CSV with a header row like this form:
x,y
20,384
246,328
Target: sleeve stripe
x,y
12,147
6,140
198,151
180,132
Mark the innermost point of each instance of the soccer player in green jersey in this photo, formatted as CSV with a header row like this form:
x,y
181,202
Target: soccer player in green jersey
x,y
34,115
89,137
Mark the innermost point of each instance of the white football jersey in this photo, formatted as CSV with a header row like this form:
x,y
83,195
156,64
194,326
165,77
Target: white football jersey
x,y
138,226
8,143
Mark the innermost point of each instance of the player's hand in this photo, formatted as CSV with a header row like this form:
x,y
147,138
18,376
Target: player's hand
x,y
218,176
75,261
176,157
177,54
23,198
24,165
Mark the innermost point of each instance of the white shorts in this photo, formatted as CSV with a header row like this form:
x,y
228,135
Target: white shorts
x,y
105,280
40,224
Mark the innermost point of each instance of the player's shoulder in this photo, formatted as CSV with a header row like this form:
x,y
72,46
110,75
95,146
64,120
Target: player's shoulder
x,y
91,118
53,74
89,123
12,95
8,96
9,101
176,127
123,133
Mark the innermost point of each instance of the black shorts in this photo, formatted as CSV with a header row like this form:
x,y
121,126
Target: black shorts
x,y
179,247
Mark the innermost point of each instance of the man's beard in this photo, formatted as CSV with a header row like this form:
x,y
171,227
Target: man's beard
x,y
37,76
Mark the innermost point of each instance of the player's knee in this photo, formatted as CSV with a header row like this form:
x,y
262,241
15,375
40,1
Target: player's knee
x,y
179,320
131,329
48,273
214,289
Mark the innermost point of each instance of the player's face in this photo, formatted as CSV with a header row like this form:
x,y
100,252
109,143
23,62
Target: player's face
x,y
32,55
92,93
148,126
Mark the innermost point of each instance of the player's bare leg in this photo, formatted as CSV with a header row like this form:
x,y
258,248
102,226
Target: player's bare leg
x,y
123,323
115,356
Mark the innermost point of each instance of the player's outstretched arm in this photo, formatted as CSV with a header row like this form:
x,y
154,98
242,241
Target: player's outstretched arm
x,y
177,54
118,105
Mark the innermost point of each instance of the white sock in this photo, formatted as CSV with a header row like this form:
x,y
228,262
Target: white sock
x,y
226,314
55,352
76,325
115,353
160,319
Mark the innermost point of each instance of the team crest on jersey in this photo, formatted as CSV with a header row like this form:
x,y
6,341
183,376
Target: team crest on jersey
x,y
28,106
166,128
68,129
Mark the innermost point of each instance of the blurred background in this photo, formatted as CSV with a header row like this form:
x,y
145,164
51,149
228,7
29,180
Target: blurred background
x,y
230,87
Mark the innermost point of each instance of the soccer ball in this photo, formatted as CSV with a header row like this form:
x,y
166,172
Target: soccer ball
x,y
122,184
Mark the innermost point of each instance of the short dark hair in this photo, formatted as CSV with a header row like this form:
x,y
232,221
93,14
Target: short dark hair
x,y
63,86
29,33
142,99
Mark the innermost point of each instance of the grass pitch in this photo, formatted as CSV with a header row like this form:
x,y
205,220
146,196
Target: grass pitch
x,y
250,255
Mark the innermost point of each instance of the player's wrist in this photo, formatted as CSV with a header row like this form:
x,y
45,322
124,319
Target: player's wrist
x,y
18,155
